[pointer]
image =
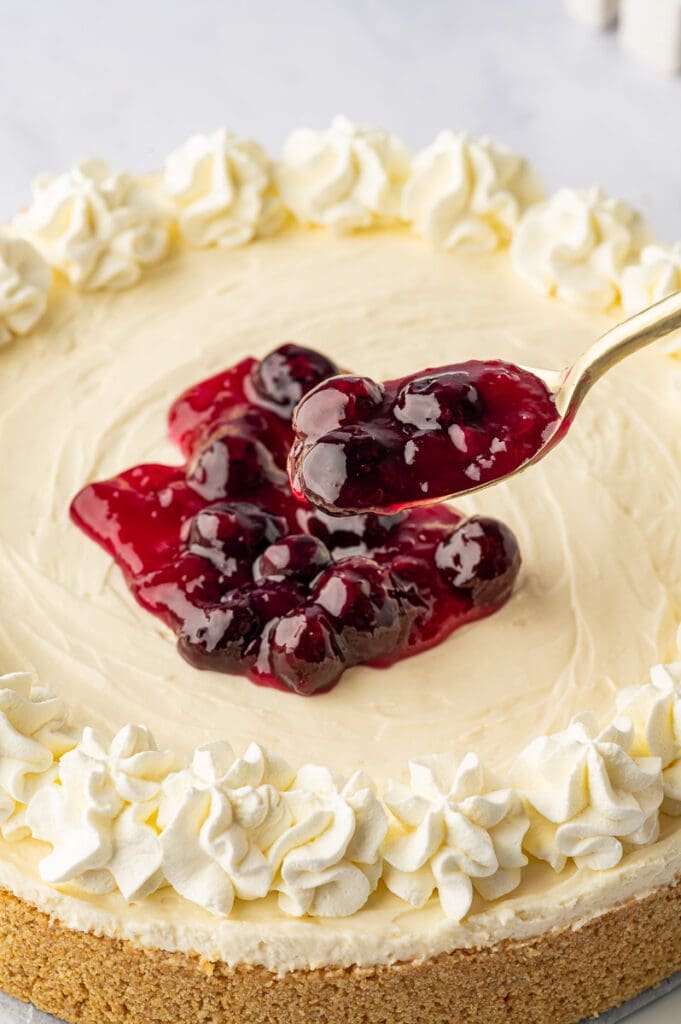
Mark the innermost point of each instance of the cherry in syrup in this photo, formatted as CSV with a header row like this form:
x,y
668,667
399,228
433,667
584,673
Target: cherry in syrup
x,y
256,582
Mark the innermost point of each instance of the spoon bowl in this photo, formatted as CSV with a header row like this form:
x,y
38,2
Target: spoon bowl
x,y
448,431
571,386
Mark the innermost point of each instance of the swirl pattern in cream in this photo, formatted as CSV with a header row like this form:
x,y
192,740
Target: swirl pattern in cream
x,y
346,177
468,193
577,244
24,283
98,228
459,832
589,798
222,190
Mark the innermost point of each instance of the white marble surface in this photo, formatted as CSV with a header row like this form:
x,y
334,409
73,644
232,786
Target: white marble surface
x,y
129,81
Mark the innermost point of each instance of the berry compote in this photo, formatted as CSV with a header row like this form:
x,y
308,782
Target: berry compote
x,y
254,581
362,446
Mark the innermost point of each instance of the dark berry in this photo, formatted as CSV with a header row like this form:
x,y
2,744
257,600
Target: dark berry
x,y
247,421
221,638
438,400
205,583
305,651
341,534
350,535
481,557
230,466
262,426
360,596
234,528
298,555
282,378
191,581
273,598
335,403
380,529
344,465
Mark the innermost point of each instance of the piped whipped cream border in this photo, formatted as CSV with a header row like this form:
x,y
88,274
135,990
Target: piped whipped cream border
x,y
118,815
97,228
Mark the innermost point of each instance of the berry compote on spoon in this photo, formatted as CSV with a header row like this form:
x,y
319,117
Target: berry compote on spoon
x,y
252,580
362,446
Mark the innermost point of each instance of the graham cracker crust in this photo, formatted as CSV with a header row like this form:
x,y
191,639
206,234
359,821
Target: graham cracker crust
x,y
557,978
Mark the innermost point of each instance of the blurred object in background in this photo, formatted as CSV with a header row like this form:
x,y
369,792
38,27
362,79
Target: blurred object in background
x,y
648,29
594,13
651,30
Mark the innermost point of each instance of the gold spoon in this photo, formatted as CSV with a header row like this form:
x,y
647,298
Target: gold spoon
x,y
570,387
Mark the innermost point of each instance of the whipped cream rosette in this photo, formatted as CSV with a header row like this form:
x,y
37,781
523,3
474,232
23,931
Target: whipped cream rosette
x,y
345,177
329,862
34,734
97,227
24,283
468,193
222,190
588,796
217,818
97,814
655,710
455,832
656,274
576,245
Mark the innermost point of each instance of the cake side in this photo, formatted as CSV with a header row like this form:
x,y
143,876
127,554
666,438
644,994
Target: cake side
x,y
564,976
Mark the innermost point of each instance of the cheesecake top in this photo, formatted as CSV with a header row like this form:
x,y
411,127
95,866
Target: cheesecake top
x,y
84,394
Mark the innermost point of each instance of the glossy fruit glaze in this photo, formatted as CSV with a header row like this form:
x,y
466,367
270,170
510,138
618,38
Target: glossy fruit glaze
x,y
252,580
362,446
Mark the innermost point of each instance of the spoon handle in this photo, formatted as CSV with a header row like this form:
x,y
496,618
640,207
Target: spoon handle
x,y
649,325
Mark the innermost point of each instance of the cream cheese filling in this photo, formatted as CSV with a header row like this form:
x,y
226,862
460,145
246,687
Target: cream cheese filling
x,y
597,603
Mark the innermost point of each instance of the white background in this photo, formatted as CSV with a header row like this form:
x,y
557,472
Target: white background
x,y
129,80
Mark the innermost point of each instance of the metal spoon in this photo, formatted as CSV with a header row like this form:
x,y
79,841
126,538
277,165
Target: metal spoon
x,y
570,387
